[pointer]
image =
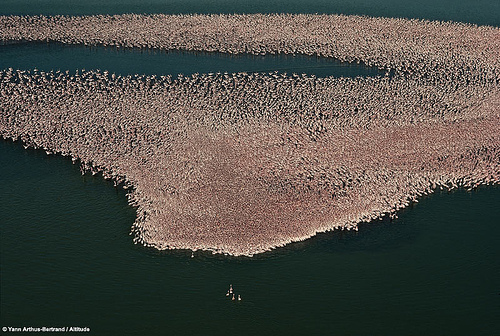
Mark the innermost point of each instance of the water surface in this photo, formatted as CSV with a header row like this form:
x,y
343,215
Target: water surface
x,y
483,12
67,259
54,56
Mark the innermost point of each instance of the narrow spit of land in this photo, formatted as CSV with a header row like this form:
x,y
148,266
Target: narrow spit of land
x,y
242,163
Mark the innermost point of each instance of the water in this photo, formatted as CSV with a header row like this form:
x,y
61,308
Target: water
x,y
67,259
47,57
483,12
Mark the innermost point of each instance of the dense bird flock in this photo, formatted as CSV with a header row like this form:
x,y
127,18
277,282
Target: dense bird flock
x,y
242,163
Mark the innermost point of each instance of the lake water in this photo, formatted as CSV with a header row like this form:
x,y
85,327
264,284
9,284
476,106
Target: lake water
x,y
484,12
67,259
52,56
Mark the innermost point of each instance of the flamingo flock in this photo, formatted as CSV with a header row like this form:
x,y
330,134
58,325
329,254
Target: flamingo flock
x,y
243,163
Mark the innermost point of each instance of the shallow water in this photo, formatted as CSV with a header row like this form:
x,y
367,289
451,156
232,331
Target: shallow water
x,y
67,259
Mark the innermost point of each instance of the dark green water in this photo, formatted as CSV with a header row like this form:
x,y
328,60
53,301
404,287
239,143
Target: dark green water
x,y
67,259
